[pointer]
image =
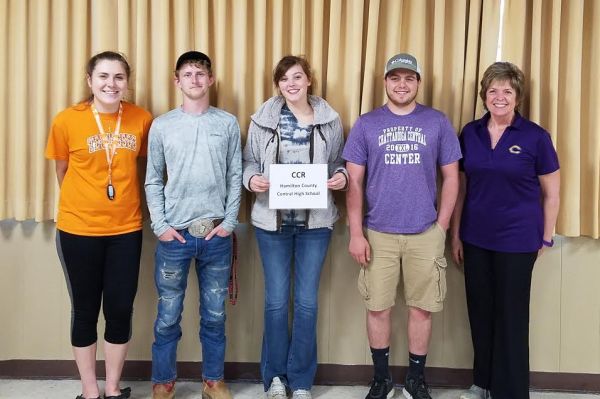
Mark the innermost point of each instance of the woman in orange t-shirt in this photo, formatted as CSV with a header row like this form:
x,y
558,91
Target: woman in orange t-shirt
x,y
96,145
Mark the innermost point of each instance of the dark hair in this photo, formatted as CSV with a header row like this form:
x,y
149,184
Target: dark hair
x,y
503,72
286,63
195,58
108,56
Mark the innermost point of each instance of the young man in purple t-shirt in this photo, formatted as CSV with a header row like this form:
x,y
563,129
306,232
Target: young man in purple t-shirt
x,y
393,154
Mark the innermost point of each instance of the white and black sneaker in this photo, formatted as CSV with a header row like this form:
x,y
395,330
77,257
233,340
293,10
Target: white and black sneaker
x,y
416,388
381,389
277,389
475,392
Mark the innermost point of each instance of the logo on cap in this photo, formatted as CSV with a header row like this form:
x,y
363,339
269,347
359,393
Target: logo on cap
x,y
402,60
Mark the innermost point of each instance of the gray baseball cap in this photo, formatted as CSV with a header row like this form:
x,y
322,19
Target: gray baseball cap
x,y
402,61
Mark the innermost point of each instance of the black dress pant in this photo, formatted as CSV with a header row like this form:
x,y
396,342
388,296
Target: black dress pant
x,y
498,286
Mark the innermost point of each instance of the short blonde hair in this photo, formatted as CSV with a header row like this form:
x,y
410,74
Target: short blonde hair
x,y
503,72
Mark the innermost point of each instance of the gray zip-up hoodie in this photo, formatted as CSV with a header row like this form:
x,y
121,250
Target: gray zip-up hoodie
x,y
262,150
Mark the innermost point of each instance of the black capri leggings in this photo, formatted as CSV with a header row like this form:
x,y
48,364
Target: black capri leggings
x,y
105,270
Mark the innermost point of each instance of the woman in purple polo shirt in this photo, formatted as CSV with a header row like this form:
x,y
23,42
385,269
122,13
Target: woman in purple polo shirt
x,y
504,218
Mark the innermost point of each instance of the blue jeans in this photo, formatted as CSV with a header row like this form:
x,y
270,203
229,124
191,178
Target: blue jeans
x,y
292,359
172,264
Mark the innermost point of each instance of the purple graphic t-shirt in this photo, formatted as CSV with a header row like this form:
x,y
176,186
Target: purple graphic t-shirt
x,y
401,154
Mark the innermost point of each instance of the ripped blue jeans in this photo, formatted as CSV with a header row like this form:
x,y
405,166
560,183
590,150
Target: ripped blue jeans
x,y
172,264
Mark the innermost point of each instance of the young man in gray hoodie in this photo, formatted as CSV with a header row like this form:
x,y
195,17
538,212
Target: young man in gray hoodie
x,y
193,189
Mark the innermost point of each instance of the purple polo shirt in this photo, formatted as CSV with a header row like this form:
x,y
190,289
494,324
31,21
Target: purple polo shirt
x,y
503,209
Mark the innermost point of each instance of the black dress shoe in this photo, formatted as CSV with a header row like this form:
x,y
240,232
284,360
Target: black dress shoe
x,y
83,397
125,393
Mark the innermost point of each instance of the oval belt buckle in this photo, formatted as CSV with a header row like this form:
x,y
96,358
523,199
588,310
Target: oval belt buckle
x,y
201,228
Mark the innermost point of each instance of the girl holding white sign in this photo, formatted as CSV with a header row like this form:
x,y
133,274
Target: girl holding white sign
x,y
294,127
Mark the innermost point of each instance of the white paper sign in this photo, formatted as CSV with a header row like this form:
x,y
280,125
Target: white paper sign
x,y
298,186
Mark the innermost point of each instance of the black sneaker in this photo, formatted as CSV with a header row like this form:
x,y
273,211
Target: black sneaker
x,y
125,393
381,389
415,388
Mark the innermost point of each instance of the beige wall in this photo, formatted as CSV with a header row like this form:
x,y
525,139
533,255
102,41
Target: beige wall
x,y
565,322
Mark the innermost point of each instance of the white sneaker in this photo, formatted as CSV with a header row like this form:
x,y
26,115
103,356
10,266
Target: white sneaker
x,y
277,390
301,394
475,392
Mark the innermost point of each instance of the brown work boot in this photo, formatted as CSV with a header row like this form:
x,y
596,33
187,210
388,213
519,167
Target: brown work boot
x,y
163,391
215,390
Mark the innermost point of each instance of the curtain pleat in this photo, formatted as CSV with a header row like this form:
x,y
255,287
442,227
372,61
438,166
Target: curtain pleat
x,y
19,152
140,55
104,25
4,135
569,134
40,83
487,46
469,78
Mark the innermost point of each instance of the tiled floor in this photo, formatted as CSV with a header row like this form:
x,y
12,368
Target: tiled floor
x,y
68,389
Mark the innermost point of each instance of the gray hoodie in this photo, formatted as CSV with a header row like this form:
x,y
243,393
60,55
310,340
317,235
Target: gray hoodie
x,y
262,150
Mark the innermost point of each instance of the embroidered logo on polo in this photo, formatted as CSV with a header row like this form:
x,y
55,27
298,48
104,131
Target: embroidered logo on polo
x,y
126,140
515,149
402,144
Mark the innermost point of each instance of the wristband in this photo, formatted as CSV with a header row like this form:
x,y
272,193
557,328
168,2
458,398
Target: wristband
x,y
548,243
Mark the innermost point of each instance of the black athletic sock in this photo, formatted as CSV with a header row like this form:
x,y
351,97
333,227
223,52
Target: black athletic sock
x,y
416,365
381,363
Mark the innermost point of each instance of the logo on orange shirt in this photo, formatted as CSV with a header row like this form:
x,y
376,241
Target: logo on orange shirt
x,y
126,140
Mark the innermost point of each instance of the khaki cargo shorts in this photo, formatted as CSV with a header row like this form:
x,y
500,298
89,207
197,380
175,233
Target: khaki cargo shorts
x,y
419,258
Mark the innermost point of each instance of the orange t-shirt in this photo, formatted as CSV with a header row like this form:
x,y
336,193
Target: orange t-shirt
x,y
84,207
